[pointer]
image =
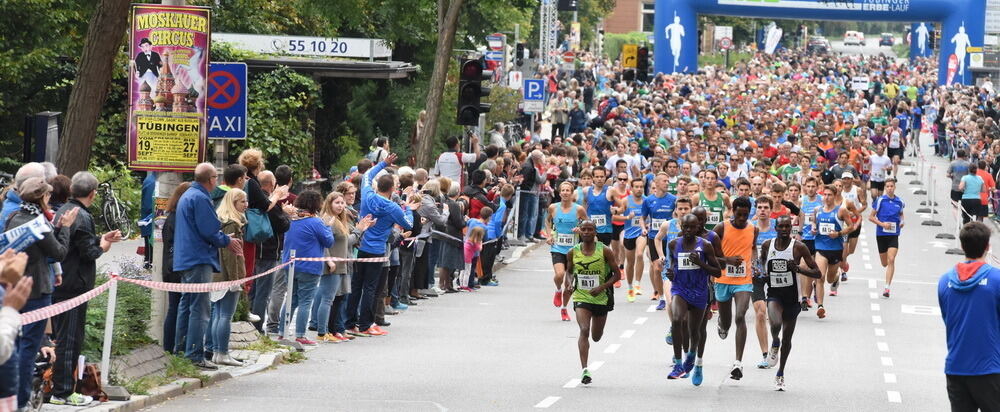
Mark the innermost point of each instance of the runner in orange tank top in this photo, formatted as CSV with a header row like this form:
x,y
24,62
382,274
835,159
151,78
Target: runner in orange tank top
x,y
736,284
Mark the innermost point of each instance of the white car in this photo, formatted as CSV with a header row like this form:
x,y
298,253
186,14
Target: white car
x,y
855,38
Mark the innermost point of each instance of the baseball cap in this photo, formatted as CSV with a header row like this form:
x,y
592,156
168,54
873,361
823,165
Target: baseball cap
x,y
847,175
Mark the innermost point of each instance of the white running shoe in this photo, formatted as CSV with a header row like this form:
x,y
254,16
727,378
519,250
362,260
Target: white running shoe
x,y
772,356
779,383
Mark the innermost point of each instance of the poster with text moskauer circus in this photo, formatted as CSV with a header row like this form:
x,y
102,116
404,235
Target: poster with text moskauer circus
x,y
168,65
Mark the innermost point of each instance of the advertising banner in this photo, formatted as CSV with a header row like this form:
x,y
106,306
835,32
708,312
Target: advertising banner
x,y
167,92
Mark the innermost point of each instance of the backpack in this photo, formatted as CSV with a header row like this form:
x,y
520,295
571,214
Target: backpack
x,y
90,385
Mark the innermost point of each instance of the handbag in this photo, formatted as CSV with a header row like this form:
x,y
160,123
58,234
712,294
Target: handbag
x,y
258,226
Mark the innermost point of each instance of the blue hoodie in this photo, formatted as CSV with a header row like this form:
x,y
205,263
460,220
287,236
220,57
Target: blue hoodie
x,y
386,214
10,205
495,225
971,312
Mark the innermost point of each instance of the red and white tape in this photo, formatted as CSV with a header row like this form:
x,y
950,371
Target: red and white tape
x,y
336,259
199,287
53,310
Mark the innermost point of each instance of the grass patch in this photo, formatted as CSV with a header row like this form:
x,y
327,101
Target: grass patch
x,y
295,357
719,59
177,367
901,50
264,344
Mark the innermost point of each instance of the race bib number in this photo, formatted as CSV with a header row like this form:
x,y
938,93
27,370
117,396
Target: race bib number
x,y
892,227
781,279
810,218
565,239
599,220
736,271
878,175
586,282
714,218
826,228
684,261
635,220
657,223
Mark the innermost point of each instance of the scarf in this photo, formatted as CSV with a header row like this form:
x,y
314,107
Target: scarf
x,y
31,208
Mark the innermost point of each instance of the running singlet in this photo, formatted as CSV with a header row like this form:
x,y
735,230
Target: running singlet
x,y
628,193
657,211
879,165
672,185
590,271
599,210
826,223
632,228
579,195
715,209
690,281
887,210
737,242
765,235
562,227
783,284
809,209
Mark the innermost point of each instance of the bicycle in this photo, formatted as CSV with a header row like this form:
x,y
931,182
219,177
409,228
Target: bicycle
x,y
114,212
5,180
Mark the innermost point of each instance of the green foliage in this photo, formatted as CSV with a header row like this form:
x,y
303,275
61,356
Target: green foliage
x,y
132,314
719,59
504,103
128,189
613,42
177,367
294,357
902,50
264,345
297,17
350,153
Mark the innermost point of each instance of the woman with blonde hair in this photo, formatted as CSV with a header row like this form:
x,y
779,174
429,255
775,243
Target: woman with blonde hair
x,y
232,214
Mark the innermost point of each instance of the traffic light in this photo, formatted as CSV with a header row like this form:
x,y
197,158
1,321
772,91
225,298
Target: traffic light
x,y
567,5
642,64
471,91
519,55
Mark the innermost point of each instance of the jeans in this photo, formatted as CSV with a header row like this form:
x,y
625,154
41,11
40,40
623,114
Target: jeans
x,y
323,302
261,292
193,315
221,323
276,302
27,349
170,322
338,314
406,261
68,329
432,259
381,290
528,215
363,285
303,291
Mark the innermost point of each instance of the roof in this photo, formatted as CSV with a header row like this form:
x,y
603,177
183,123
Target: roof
x,y
338,68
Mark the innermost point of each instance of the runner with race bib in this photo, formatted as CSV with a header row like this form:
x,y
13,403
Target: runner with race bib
x,y
735,283
657,209
561,223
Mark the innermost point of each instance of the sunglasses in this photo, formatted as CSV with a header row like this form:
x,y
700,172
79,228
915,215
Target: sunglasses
x,y
622,179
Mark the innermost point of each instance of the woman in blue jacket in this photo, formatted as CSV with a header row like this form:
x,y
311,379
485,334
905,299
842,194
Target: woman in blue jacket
x,y
309,237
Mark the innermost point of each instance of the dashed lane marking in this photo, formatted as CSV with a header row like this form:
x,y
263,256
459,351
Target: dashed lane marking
x,y
882,346
873,295
872,284
877,320
612,348
912,282
595,366
886,361
889,377
547,402
879,332
571,384
627,334
876,307
640,321
651,308
894,397
866,257
868,266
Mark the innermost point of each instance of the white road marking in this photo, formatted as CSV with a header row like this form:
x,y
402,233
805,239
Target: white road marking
x,y
627,334
876,307
872,284
571,384
912,282
612,348
889,377
651,308
920,310
866,250
595,366
877,320
894,397
547,402
873,295
886,361
882,346
640,321
879,332
866,257
864,243
868,266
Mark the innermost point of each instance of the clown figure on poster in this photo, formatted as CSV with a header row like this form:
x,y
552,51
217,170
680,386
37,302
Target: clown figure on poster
x,y
147,65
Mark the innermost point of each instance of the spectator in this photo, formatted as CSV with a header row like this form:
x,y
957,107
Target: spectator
x,y
169,274
12,201
60,191
257,198
282,177
233,176
197,237
14,293
79,275
308,237
269,251
531,183
450,163
476,193
327,312
232,215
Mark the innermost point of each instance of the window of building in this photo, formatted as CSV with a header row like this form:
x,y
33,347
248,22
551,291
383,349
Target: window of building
x,y
648,10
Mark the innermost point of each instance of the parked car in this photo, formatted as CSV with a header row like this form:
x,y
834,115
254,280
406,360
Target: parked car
x,y
854,38
887,39
818,44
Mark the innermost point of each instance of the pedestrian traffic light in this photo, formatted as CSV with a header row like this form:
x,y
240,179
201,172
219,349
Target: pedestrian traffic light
x,y
519,55
471,92
642,64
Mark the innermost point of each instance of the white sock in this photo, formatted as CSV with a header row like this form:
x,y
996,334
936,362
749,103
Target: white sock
x,y
697,361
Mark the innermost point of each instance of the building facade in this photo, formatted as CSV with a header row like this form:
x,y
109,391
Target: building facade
x,y
630,16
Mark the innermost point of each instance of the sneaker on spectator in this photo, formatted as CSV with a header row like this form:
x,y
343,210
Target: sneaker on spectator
x,y
74,399
357,333
305,341
374,331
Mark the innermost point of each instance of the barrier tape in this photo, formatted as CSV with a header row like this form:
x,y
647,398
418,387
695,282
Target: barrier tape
x,y
61,307
198,287
336,259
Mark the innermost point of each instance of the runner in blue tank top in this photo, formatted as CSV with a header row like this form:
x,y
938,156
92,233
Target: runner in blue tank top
x,y
657,209
832,224
812,202
598,201
586,181
633,236
693,260
561,224
887,215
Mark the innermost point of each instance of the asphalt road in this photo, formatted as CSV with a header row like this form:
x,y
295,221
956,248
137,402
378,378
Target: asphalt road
x,y
504,348
871,47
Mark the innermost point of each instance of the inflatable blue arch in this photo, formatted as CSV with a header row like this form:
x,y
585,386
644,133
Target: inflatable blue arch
x,y
962,25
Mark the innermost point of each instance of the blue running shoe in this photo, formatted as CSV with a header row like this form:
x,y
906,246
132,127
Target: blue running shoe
x,y
689,363
400,306
670,337
678,372
698,377
662,305
493,283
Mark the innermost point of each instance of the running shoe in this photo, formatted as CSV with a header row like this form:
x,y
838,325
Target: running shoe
x,y
670,337
722,332
763,363
772,356
631,295
843,277
557,299
378,328
698,376
564,314
618,284
805,306
779,383
493,283
330,338
374,331
833,292
656,295
885,293
821,312
662,305
677,372
689,362
74,399
586,379
343,337
400,306
638,290
737,372
305,341
357,333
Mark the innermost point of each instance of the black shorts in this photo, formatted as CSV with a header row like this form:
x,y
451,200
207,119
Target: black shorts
x,y
629,243
956,195
970,393
896,152
616,231
880,186
833,257
855,233
886,242
605,238
559,258
599,311
790,305
653,254
811,244
758,289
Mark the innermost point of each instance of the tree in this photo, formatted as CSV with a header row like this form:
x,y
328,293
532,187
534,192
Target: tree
x,y
447,26
91,85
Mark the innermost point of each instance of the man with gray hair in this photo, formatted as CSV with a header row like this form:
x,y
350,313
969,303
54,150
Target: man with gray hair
x,y
13,201
530,186
79,275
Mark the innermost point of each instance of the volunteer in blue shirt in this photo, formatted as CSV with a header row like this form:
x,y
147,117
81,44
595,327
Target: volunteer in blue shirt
x,y
657,210
887,215
969,297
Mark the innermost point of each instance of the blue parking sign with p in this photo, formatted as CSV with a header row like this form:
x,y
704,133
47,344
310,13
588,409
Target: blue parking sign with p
x,y
227,101
534,89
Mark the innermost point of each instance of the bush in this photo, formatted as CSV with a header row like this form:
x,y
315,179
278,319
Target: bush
x,y
132,315
128,188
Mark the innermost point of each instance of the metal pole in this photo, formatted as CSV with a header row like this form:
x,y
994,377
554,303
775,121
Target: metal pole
x,y
517,33
289,285
109,328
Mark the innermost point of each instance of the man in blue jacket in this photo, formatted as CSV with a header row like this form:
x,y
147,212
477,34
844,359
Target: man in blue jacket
x,y
969,296
197,238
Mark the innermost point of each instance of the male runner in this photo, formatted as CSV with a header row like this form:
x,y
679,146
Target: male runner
x,y
561,223
599,204
657,208
692,262
812,202
667,232
592,275
831,225
887,215
856,201
881,165
716,203
630,212
765,231
781,257
738,237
